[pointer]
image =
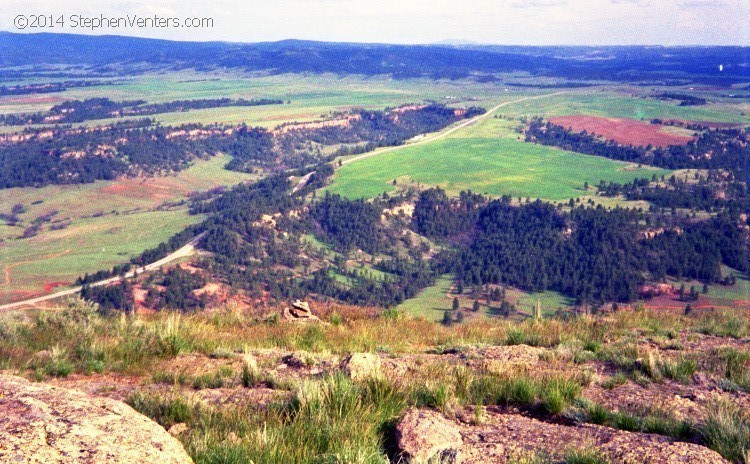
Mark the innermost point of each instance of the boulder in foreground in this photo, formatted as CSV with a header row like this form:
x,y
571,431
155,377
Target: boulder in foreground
x,y
425,435
44,424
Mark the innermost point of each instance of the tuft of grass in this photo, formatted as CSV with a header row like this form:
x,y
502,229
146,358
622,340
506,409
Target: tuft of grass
x,y
615,381
724,323
727,431
170,378
584,456
432,395
166,411
59,368
250,376
736,367
597,414
658,422
681,370
515,336
557,393
169,337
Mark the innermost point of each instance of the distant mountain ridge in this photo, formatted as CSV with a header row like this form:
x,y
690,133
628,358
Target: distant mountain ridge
x,y
622,63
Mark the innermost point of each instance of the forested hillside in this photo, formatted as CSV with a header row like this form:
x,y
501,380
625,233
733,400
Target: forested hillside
x,y
103,55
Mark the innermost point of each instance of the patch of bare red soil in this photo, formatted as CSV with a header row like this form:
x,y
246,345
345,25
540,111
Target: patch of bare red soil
x,y
622,131
156,188
49,286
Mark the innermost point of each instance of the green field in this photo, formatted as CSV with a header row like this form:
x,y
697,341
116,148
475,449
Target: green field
x,y
432,302
613,105
484,165
110,222
86,246
312,97
734,296
489,157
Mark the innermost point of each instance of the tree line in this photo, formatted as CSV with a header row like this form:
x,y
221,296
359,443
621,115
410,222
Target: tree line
x,y
73,111
726,149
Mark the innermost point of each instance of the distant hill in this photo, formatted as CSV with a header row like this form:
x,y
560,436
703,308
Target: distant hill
x,y
110,55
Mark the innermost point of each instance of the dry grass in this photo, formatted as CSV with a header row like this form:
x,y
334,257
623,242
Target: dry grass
x,y
346,421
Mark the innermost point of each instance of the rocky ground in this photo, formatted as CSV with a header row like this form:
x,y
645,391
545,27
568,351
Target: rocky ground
x,y
472,435
539,394
46,424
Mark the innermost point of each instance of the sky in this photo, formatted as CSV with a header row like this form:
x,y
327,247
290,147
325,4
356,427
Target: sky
x,y
509,22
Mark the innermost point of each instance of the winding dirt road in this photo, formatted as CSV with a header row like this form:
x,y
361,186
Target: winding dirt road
x,y
186,250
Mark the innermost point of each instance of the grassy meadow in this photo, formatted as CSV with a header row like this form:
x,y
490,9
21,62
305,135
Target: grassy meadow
x,y
489,157
623,104
108,222
486,157
432,302
310,97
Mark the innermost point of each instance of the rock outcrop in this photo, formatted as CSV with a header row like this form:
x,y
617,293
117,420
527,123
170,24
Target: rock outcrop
x,y
44,424
507,437
300,311
424,435
362,366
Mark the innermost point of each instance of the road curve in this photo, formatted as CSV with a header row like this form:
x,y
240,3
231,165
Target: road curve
x,y
441,135
186,250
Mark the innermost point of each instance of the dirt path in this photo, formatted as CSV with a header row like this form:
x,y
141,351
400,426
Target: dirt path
x,y
302,182
442,135
186,250
7,268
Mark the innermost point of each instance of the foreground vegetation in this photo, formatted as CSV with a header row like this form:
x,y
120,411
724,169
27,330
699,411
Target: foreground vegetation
x,y
320,415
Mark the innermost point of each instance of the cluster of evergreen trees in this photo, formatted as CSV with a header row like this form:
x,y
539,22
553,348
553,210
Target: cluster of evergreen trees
x,y
726,149
47,87
592,254
73,111
437,215
175,288
709,194
111,298
349,224
385,128
684,99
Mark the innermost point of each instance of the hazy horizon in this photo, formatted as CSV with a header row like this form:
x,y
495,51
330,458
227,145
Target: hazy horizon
x,y
445,42
502,22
